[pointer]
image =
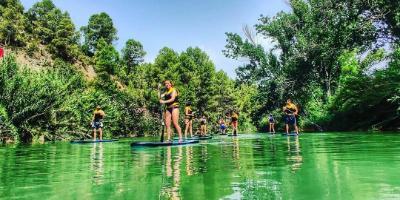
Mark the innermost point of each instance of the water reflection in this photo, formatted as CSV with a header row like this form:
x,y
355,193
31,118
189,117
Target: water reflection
x,y
203,159
189,160
97,162
312,166
236,152
171,188
294,153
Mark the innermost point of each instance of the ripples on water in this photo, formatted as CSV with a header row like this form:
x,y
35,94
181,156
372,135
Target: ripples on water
x,y
252,166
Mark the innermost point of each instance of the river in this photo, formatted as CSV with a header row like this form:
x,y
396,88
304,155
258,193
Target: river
x,y
251,166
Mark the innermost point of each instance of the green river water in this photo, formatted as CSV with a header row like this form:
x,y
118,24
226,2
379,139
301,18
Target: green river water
x,y
251,166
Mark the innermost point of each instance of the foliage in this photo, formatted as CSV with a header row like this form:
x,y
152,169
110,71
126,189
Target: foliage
x,y
12,23
8,132
100,26
327,52
339,61
57,104
50,26
31,98
106,58
132,54
56,101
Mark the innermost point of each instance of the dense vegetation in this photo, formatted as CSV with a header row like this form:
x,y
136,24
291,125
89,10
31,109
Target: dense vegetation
x,y
57,101
339,60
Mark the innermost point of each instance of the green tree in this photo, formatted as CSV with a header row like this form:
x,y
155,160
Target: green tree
x,y
132,54
100,26
313,37
205,71
106,58
166,65
32,98
54,28
12,23
224,99
43,18
65,43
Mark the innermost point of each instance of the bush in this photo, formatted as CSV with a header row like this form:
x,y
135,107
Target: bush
x,y
7,131
32,98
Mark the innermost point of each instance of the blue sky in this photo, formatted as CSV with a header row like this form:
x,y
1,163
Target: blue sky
x,y
177,24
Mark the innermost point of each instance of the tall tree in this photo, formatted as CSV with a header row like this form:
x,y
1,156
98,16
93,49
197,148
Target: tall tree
x,y
166,65
313,36
65,42
106,58
132,54
12,23
100,26
54,28
43,18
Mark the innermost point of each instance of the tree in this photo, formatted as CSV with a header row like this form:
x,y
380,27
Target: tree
x,y
166,65
106,58
54,28
65,42
132,54
311,38
205,71
12,23
100,26
43,18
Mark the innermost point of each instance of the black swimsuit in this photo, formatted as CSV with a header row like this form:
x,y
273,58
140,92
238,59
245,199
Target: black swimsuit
x,y
175,104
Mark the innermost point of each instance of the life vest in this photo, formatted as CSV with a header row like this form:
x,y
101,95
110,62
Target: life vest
x,y
168,96
290,108
189,115
189,110
98,115
235,117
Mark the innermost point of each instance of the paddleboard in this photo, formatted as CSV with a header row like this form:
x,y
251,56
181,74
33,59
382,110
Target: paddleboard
x,y
202,137
290,134
91,141
159,144
231,135
197,138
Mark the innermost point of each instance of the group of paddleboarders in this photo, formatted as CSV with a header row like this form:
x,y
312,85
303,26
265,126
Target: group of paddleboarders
x,y
170,98
203,130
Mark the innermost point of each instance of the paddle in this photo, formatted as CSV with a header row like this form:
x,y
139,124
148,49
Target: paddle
x,y
161,114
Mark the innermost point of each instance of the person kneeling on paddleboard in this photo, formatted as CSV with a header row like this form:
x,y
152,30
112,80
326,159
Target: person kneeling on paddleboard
x,y
97,122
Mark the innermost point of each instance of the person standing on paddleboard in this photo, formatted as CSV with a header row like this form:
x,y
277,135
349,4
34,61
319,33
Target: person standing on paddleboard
x,y
234,122
291,111
188,119
172,112
271,121
97,122
222,126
